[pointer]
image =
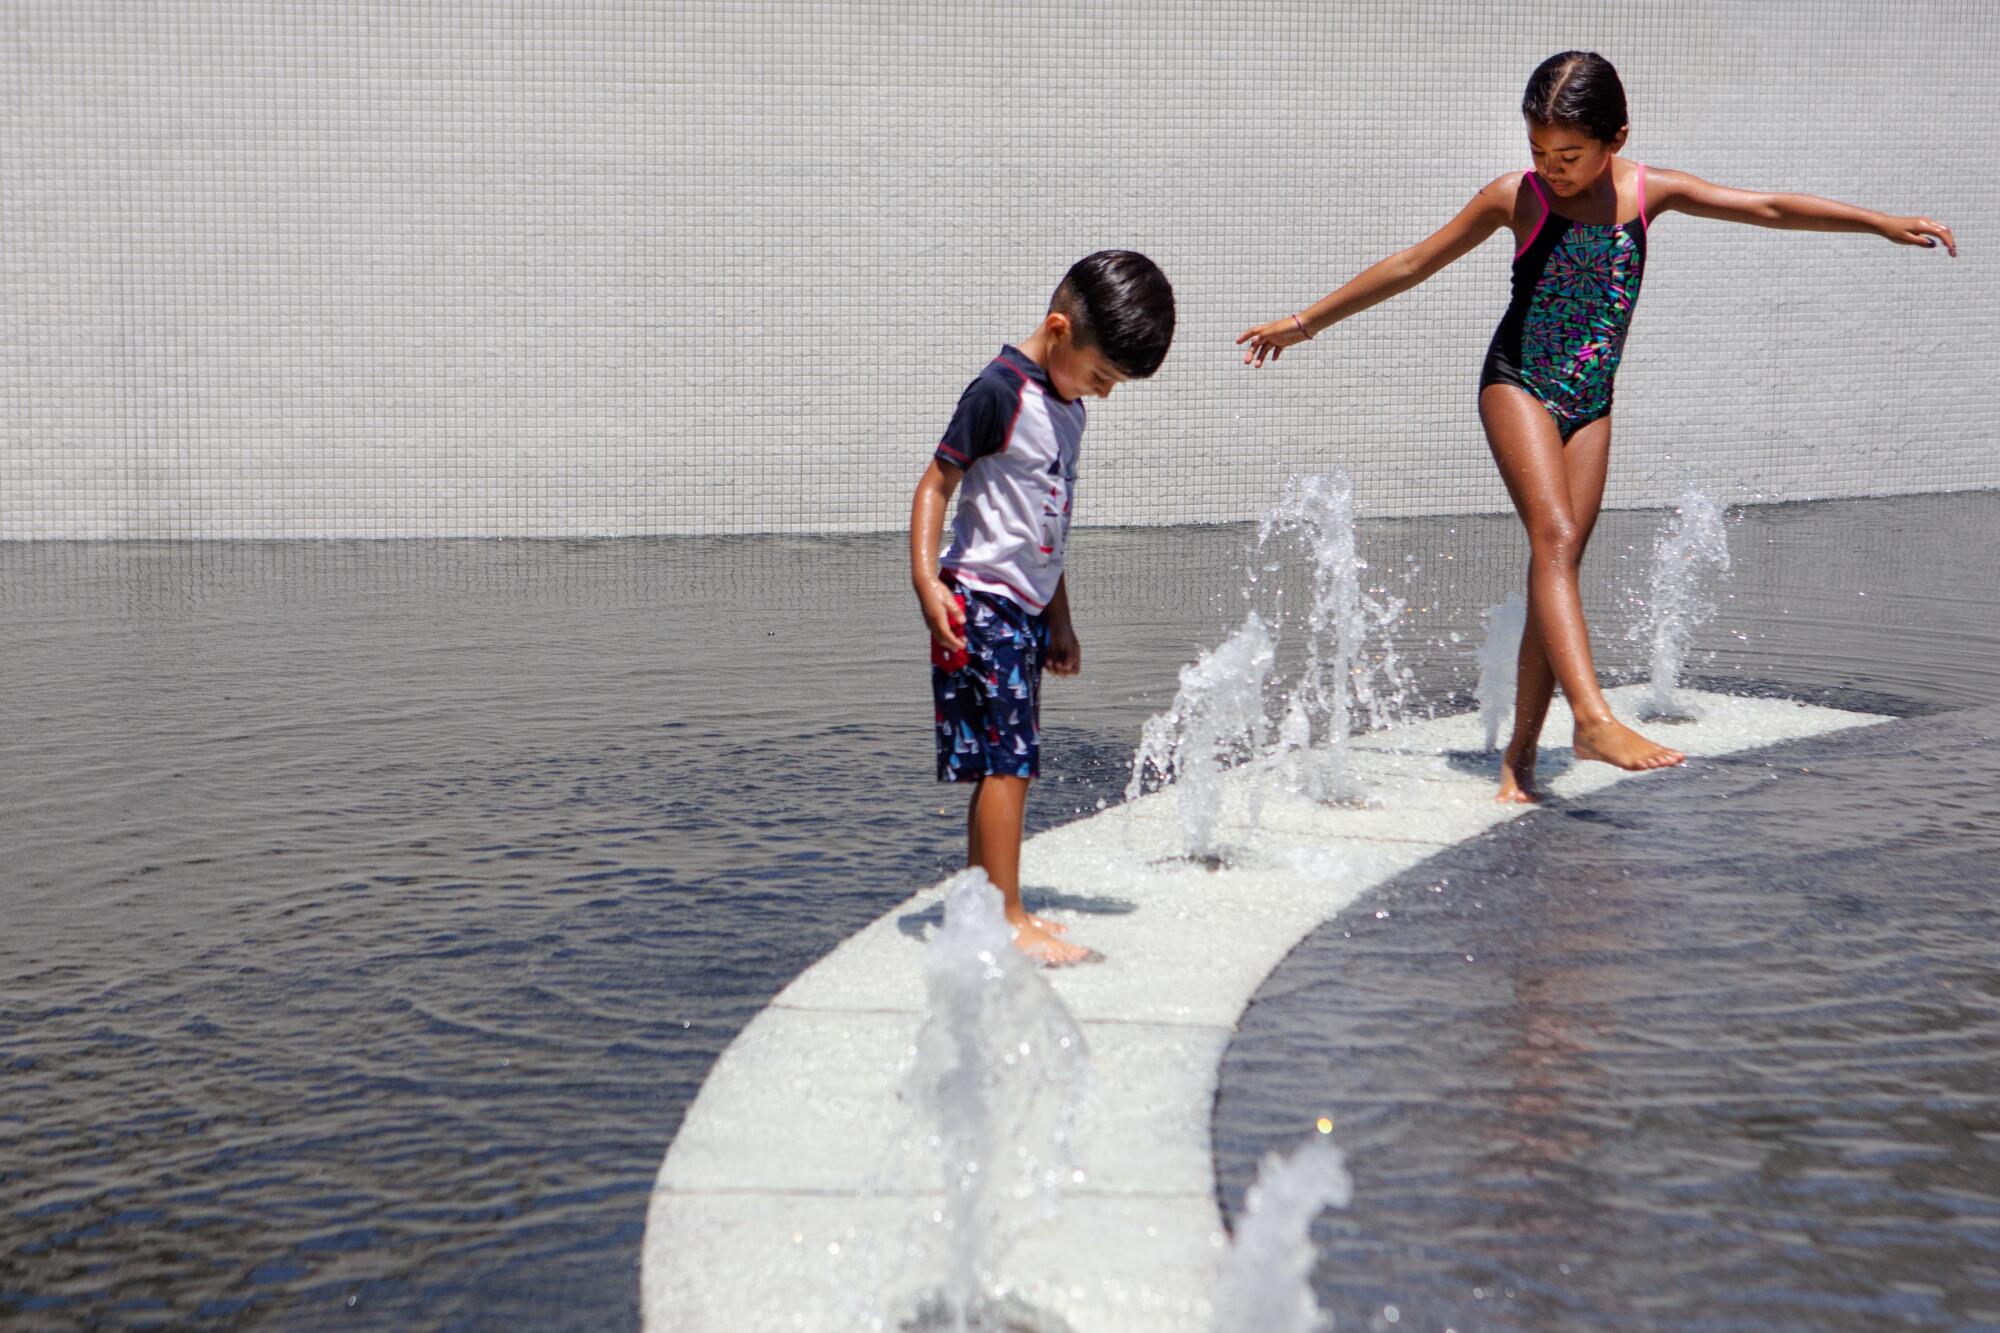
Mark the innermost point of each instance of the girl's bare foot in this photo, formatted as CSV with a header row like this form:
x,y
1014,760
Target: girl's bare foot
x,y
1517,778
1047,949
1043,923
1612,742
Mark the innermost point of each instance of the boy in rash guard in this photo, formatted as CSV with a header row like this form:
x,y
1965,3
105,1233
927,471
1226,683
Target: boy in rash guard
x,y
995,602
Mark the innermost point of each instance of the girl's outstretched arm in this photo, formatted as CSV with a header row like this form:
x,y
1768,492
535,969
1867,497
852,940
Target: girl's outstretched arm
x,y
1491,209
1676,191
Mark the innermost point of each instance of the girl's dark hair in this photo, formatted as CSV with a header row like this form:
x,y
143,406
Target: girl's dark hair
x,y
1119,302
1578,89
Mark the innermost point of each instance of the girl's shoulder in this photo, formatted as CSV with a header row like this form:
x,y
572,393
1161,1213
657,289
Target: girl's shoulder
x,y
1512,197
1668,190
1504,194
1660,179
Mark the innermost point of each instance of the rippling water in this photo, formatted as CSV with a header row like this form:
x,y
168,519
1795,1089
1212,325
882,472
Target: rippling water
x,y
371,912
1715,1051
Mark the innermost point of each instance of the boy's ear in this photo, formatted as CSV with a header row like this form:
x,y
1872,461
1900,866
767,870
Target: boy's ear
x,y
1056,324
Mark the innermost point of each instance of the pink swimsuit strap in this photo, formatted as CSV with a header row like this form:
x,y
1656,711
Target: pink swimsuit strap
x,y
1644,222
1542,222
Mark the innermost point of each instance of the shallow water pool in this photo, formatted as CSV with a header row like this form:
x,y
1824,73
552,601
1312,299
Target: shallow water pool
x,y
374,910
1715,1051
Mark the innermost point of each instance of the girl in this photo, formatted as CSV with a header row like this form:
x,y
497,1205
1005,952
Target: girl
x,y
1580,221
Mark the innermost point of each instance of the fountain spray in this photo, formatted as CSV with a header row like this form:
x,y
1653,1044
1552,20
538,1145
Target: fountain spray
x,y
1266,1281
1499,664
1001,1069
1692,542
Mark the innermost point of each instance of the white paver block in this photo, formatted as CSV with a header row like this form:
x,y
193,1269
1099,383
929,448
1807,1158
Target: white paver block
x,y
798,1193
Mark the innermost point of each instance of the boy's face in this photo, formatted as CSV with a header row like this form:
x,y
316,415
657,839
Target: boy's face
x,y
1078,372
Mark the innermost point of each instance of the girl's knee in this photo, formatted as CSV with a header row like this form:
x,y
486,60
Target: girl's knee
x,y
1559,542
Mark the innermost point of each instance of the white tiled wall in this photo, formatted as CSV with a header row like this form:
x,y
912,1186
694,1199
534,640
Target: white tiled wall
x,y
411,267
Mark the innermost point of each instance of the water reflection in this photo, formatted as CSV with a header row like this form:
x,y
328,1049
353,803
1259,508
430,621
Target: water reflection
x,y
1721,1056
372,910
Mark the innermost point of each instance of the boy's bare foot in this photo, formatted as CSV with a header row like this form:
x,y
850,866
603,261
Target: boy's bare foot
x,y
1043,923
1517,779
1046,949
1614,743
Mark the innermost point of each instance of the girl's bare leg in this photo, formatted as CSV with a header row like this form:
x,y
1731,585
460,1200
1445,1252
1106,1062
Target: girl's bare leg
x,y
1557,491
993,843
1586,458
1534,686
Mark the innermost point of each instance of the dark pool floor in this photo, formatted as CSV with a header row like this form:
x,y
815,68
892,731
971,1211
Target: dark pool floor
x,y
1708,1050
373,911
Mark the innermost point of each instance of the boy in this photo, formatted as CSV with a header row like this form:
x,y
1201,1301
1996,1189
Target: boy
x,y
996,603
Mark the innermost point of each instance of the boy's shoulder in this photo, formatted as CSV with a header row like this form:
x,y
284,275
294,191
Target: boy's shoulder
x,y
990,407
1010,371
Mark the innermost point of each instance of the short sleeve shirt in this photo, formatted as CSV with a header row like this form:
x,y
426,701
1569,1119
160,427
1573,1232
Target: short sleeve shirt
x,y
1018,445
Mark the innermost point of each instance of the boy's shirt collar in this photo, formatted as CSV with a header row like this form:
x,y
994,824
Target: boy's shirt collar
x,y
1026,364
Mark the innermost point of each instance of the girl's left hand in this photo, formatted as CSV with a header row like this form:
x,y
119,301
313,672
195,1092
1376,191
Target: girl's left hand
x,y
1921,231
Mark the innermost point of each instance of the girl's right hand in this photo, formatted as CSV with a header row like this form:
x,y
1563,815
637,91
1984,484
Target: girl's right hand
x,y
1271,339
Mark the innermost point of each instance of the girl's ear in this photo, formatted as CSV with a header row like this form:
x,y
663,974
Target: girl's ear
x,y
1618,140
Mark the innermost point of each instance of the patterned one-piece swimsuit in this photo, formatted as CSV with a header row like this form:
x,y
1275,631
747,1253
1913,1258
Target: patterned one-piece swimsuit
x,y
1575,285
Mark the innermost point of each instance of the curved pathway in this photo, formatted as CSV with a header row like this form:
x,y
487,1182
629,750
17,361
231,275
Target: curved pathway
x,y
798,1193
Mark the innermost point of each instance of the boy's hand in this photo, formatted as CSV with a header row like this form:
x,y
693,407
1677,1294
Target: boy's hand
x,y
1065,653
941,614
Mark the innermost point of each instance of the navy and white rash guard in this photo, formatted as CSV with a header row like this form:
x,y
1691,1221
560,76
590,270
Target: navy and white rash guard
x,y
1018,444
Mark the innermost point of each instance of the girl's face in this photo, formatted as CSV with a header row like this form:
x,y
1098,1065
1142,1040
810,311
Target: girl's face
x,y
1568,160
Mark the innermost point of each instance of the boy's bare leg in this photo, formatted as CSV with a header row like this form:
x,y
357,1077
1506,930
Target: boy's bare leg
x,y
993,843
975,857
1541,475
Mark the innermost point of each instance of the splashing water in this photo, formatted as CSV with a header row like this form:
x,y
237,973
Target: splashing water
x,y
1001,1069
1217,715
1265,1283
1693,542
1499,664
1338,685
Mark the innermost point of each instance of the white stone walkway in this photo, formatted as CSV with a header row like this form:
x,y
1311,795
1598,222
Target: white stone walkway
x,y
786,1199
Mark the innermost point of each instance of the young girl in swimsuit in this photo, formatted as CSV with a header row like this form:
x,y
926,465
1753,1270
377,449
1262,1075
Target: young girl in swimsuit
x,y
1580,220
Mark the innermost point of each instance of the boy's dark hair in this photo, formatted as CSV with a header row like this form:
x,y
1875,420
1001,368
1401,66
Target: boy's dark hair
x,y
1119,302
1578,89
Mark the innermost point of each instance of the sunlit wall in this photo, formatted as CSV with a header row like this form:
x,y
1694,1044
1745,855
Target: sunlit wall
x,y
555,269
